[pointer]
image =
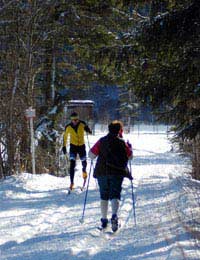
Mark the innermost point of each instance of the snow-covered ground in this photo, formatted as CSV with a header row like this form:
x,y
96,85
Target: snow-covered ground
x,y
38,221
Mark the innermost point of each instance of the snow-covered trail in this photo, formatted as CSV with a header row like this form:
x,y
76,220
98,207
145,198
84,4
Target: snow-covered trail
x,y
38,221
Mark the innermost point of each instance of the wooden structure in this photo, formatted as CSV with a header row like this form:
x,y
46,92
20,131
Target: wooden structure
x,y
85,109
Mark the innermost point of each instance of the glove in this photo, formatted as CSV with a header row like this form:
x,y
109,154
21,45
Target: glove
x,y
130,177
129,145
128,174
64,150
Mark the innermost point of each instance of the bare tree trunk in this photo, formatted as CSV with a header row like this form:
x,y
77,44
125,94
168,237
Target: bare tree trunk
x,y
53,72
196,158
2,169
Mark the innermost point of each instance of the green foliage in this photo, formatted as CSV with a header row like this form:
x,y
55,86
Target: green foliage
x,y
171,73
47,46
151,47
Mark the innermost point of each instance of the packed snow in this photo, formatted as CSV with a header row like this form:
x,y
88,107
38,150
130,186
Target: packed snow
x,y
40,221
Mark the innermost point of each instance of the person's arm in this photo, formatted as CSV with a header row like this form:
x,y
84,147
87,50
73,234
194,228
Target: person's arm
x,y
129,150
94,151
87,129
65,137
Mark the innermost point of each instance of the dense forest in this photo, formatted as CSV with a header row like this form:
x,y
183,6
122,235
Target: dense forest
x,y
137,53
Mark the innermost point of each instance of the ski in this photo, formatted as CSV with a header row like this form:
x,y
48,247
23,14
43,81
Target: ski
x,y
76,190
69,191
104,232
97,232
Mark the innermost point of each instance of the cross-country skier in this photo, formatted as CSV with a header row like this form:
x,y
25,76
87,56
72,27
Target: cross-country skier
x,y
110,169
75,131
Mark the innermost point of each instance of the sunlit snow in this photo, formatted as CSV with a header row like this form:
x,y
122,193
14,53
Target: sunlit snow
x,y
38,221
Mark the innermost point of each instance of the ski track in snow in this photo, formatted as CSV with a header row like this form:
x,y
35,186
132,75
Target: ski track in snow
x,y
39,221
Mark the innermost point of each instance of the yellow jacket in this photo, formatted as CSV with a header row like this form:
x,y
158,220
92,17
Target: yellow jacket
x,y
75,133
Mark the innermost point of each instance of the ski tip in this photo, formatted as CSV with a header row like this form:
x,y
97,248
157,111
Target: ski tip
x,y
100,228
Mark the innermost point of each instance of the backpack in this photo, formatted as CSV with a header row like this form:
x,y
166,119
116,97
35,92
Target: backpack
x,y
116,156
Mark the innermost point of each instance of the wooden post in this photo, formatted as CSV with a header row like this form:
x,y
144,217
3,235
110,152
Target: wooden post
x,y
30,114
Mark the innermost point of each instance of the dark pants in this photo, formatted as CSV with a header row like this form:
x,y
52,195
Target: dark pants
x,y
73,152
110,187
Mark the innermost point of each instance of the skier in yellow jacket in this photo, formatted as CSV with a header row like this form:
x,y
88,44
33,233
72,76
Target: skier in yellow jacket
x,y
75,131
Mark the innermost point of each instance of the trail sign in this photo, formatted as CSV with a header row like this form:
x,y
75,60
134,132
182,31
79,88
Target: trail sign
x,y
30,114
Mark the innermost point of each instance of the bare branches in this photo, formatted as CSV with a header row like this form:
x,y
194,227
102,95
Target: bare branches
x,y
7,5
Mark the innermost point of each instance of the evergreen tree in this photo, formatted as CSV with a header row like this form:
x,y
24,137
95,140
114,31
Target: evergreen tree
x,y
45,46
168,69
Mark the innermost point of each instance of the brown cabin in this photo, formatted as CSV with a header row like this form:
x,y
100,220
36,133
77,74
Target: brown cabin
x,y
85,109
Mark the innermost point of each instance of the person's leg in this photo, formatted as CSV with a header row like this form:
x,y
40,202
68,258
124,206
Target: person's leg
x,y
104,208
115,195
115,187
103,183
82,155
114,206
72,170
104,195
104,212
84,166
72,154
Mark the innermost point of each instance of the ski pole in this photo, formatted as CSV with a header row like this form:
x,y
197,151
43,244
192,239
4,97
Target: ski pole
x,y
88,141
85,200
133,197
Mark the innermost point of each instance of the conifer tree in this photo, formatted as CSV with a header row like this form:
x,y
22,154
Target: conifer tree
x,y
168,69
45,46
